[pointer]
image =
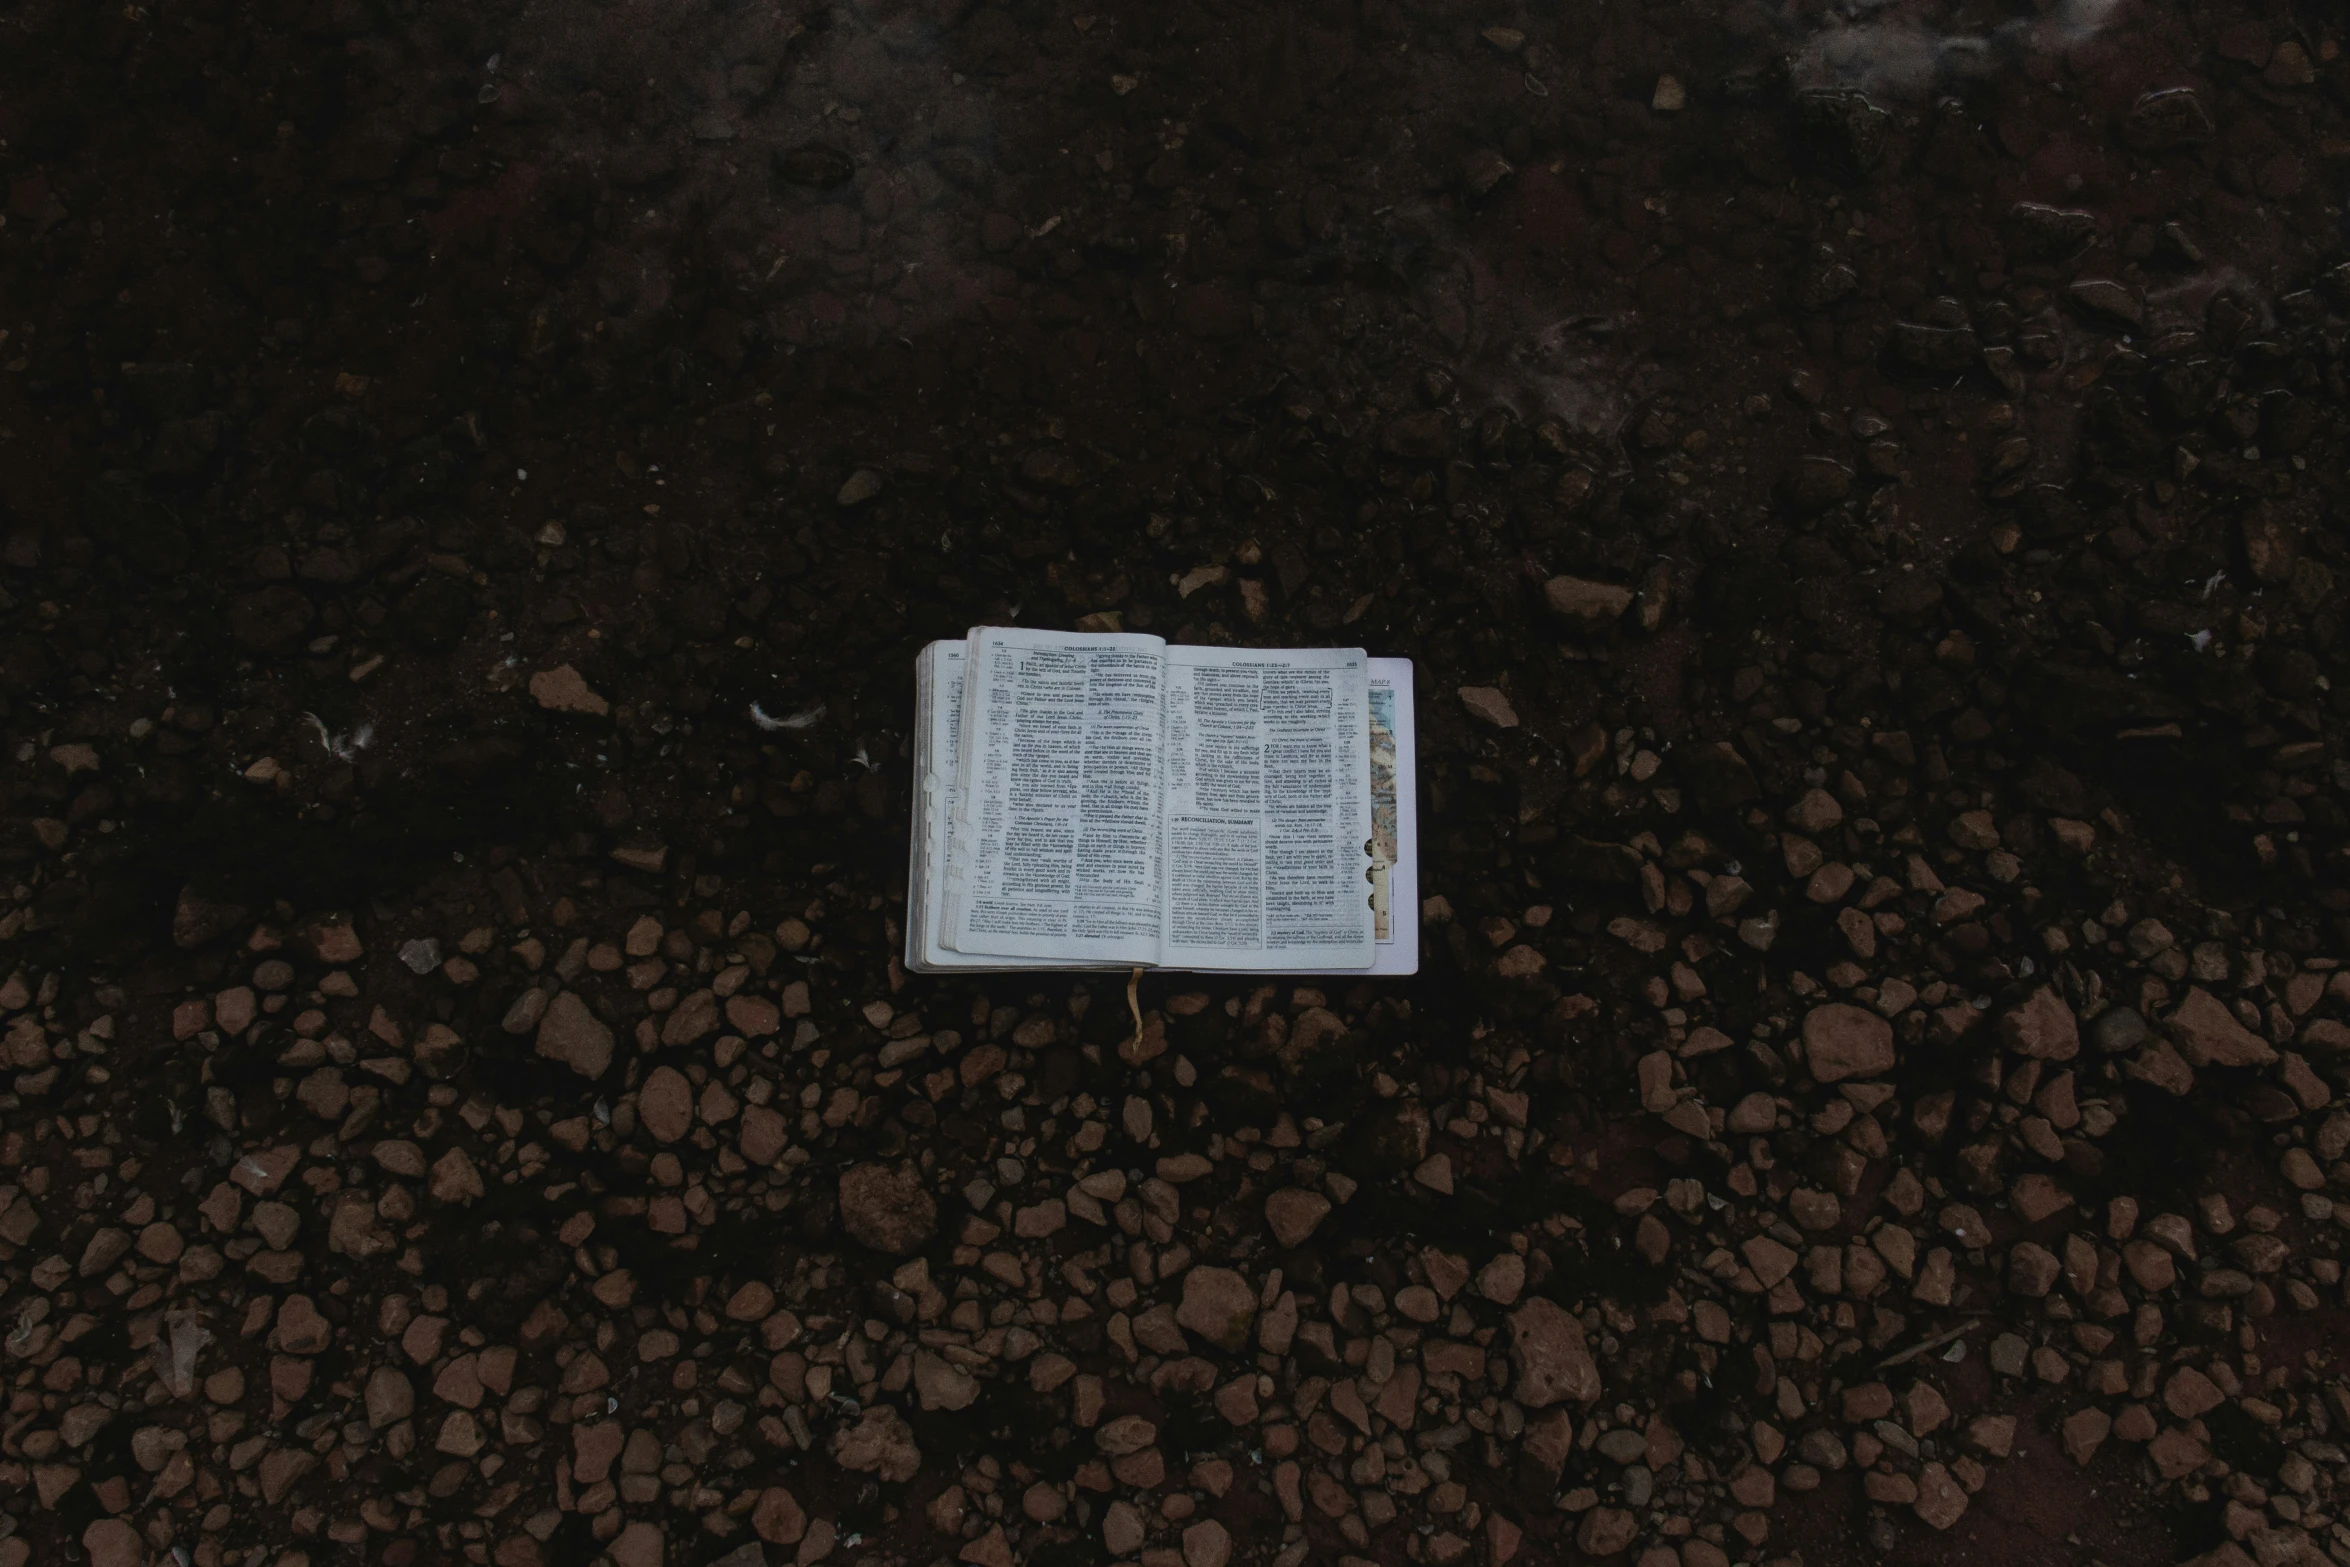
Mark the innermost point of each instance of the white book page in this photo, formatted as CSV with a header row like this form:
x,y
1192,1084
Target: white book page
x,y
941,716
1395,819
922,870
1268,808
1056,835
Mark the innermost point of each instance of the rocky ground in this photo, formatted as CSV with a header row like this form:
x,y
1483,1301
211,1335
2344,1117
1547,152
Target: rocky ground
x,y
1862,489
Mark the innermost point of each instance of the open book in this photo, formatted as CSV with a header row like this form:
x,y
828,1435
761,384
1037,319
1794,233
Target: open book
x,y
1108,801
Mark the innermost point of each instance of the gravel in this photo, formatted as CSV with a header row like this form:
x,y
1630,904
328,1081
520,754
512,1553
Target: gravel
x,y
1871,549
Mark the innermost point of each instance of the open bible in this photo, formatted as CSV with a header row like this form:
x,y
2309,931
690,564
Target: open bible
x,y
1087,800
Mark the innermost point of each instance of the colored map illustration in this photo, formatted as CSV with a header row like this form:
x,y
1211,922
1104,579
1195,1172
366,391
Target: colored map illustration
x,y
1383,829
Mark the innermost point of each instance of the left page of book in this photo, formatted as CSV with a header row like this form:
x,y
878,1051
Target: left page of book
x,y
1055,840
938,761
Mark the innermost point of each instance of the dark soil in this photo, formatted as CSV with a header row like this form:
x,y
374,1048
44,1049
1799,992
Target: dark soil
x,y
475,478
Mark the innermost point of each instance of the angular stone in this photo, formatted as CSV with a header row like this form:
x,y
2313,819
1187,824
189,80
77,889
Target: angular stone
x,y
300,1330
564,689
691,1019
594,1448
454,1178
2158,1065
2084,1431
110,1542
573,1035
941,1384
1206,1544
460,1435
1219,1306
765,1135
1841,1040
2032,1269
2208,1033
391,1397
1554,1361
459,1382
1293,1214
282,1470
1489,705
1770,1260
1503,1279
1942,1501
1038,1221
2043,1027
104,1249
1126,1435
2189,1394
2177,1453
1587,604
1815,813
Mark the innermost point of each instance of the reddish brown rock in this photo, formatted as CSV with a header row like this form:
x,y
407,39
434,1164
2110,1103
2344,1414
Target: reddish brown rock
x,y
777,1517
1501,1280
1125,1435
2159,1066
1489,704
564,689
1294,1213
300,1329
1554,1361
2208,1034
391,1397
1841,1041
2190,1394
333,941
887,1207
1606,1531
2084,1431
2177,1453
754,1017
1586,604
454,1179
765,1135
1941,1500
665,1104
639,1544
696,1017
1206,1544
111,1542
2042,1027
879,1443
1815,813
573,1035
593,1450
1219,1306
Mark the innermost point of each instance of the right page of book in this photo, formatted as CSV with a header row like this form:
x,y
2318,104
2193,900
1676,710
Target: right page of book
x,y
1395,818
1268,809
